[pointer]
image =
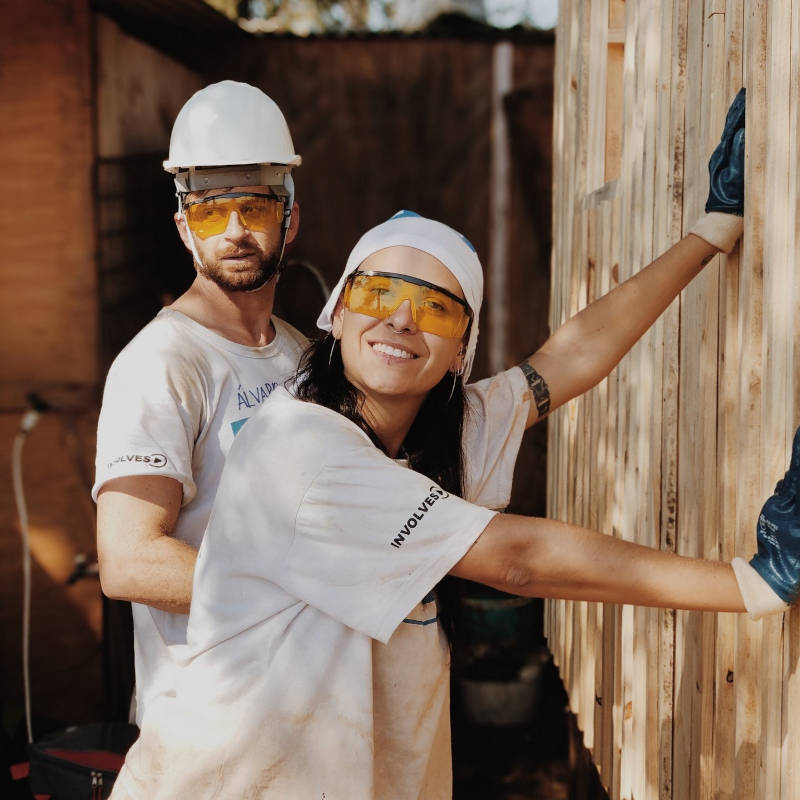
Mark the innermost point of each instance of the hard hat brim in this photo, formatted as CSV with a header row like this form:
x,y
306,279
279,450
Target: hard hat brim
x,y
175,166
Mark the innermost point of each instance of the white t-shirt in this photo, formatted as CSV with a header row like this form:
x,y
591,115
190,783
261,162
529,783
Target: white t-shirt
x,y
315,664
174,399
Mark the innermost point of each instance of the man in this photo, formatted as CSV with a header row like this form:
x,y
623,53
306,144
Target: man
x,y
177,395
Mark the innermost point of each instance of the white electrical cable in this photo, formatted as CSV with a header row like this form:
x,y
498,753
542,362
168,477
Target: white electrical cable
x,y
28,423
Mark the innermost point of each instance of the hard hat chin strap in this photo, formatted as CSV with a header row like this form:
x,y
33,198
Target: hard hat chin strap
x,y
192,245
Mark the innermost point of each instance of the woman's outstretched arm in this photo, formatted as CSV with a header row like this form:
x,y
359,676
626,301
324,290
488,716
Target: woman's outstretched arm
x,y
587,347
543,558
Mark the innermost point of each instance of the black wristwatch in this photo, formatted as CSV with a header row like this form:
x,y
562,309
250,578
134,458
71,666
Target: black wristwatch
x,y
539,388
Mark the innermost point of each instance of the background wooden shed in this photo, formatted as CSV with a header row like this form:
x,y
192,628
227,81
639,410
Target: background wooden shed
x,y
679,447
455,124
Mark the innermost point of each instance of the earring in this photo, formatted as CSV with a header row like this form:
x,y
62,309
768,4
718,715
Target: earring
x,y
330,355
457,373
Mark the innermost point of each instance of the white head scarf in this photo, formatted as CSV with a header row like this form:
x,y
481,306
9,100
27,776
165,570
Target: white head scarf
x,y
439,240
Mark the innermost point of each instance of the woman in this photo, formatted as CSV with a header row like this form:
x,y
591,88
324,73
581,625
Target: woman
x,y
315,667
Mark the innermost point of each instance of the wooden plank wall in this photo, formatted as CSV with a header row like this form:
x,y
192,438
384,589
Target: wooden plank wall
x,y
679,447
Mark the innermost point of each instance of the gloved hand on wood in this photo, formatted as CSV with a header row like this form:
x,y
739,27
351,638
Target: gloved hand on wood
x,y
771,581
722,224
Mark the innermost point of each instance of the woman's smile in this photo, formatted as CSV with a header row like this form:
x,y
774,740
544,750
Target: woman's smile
x,y
392,351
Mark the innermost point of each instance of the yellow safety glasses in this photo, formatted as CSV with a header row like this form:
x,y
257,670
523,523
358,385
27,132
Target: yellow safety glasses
x,y
434,310
257,212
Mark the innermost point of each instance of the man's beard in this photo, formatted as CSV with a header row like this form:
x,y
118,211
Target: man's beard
x,y
247,280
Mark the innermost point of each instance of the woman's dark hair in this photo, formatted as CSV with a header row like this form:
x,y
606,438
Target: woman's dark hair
x,y
433,445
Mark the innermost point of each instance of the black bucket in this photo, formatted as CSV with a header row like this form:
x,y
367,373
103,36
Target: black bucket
x,y
80,762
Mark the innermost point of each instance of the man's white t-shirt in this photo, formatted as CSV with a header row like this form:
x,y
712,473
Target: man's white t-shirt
x,y
175,398
316,667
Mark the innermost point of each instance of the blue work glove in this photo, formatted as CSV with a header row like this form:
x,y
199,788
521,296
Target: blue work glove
x,y
722,223
778,534
726,165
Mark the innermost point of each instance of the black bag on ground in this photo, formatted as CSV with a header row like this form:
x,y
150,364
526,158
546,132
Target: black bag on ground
x,y
79,762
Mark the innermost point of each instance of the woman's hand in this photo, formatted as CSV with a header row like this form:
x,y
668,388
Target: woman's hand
x,y
722,223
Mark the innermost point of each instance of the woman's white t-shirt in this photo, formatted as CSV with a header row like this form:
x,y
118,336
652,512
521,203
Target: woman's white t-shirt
x,y
317,668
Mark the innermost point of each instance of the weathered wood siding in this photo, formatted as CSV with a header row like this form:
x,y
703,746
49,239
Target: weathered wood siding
x,y
679,447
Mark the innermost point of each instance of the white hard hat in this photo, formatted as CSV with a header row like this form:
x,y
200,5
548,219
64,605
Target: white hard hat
x,y
230,134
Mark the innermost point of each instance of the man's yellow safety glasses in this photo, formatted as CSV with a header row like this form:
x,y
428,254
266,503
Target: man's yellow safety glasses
x,y
257,212
434,309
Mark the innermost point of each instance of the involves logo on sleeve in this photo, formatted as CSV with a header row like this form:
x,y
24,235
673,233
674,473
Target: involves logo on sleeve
x,y
155,460
418,516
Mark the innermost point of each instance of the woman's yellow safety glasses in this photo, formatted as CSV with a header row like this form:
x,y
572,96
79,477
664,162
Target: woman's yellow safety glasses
x,y
434,309
257,212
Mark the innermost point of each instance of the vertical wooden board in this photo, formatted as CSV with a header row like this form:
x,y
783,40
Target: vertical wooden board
x,y
612,152
590,641
790,730
585,88
778,280
749,635
585,643
648,357
603,493
569,36
671,757
613,680
693,436
596,105
572,445
724,756
641,51
600,516
628,765
578,460
716,100
666,230
561,143
619,710
626,503
570,141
